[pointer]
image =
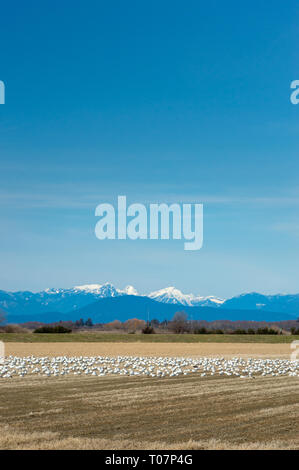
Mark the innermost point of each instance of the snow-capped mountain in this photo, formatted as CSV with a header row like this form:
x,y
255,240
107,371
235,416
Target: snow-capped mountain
x,y
105,290
168,295
171,295
62,302
59,300
74,298
100,290
129,290
97,290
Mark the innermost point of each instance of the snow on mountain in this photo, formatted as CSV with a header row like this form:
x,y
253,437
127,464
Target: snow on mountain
x,y
63,301
209,301
52,291
171,295
129,290
168,295
94,288
74,298
101,290
105,290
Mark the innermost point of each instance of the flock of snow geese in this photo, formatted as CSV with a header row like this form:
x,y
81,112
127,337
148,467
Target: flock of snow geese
x,y
13,366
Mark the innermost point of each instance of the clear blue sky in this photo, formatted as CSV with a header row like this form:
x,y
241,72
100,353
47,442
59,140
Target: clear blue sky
x,y
163,101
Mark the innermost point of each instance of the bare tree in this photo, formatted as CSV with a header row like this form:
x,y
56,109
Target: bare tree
x,y
179,323
113,325
134,324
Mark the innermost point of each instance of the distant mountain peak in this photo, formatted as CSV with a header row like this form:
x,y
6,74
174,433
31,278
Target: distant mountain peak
x,y
106,289
130,290
88,287
215,300
51,291
173,295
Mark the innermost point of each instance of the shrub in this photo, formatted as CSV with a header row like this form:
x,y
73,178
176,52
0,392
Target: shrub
x,y
294,331
201,331
53,329
271,331
267,331
148,330
14,329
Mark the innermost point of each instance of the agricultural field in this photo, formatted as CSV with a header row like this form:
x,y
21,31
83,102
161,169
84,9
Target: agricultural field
x,y
155,338
113,412
282,350
108,410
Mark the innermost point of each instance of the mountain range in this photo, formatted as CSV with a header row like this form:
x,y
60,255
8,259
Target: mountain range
x,y
104,303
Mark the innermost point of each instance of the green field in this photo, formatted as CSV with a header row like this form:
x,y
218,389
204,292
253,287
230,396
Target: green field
x,y
132,338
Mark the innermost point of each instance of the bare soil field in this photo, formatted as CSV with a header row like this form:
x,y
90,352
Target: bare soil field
x,y
268,350
146,413
114,412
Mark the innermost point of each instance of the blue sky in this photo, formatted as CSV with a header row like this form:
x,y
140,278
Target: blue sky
x,y
162,102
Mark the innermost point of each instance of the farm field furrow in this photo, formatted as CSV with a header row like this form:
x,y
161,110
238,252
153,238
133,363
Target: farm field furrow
x,y
186,412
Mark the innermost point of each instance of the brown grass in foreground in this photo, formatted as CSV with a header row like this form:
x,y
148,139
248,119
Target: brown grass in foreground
x,y
50,441
149,349
146,413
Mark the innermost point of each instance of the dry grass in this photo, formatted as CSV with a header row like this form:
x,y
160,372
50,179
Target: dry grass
x,y
149,349
146,413
52,440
